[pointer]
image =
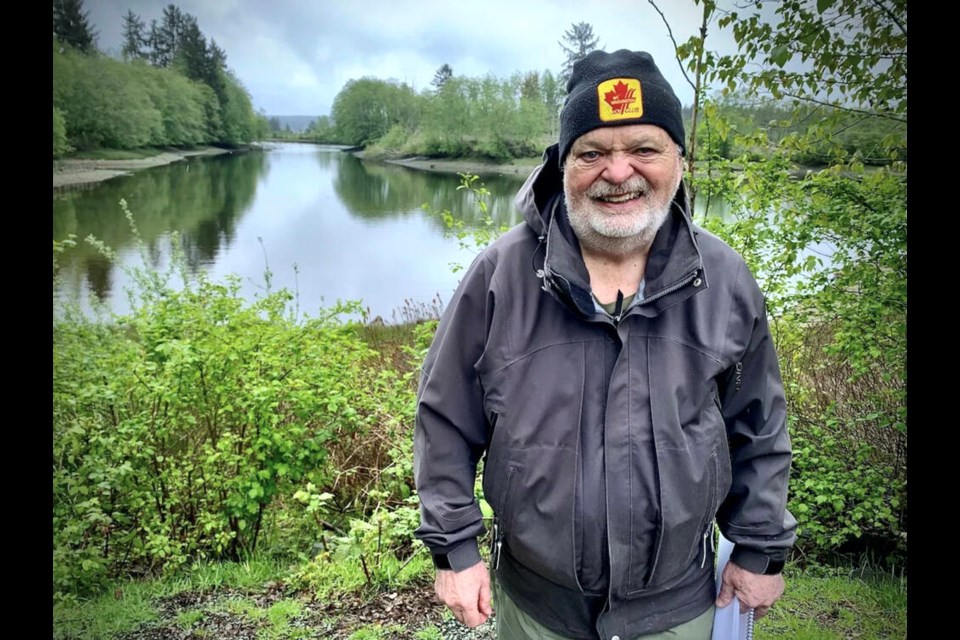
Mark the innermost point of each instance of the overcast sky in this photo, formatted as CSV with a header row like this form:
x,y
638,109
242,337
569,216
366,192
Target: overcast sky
x,y
294,56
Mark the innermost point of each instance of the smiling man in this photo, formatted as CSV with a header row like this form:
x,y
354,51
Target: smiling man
x,y
610,363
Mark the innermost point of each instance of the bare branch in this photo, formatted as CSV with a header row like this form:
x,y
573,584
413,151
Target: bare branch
x,y
890,15
872,114
672,39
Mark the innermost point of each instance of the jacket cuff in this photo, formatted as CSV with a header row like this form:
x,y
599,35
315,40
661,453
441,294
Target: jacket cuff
x,y
461,557
755,561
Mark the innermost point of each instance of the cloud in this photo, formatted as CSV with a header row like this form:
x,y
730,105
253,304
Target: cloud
x,y
294,57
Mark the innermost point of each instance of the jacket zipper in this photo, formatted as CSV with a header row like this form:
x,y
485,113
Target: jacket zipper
x,y
694,279
705,535
498,529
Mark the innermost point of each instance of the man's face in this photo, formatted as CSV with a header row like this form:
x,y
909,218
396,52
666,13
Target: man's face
x,y
619,183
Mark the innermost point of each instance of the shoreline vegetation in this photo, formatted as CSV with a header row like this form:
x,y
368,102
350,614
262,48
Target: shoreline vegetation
x,y
99,167
79,171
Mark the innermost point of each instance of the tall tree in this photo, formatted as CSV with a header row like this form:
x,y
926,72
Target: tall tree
x,y
530,86
443,74
134,37
165,37
191,54
552,97
216,68
580,41
72,26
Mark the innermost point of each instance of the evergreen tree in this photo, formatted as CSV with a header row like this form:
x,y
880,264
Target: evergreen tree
x,y
552,92
135,46
216,68
191,54
71,25
165,37
581,41
530,86
443,74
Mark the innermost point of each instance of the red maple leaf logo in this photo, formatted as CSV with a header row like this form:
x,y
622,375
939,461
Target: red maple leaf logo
x,y
620,98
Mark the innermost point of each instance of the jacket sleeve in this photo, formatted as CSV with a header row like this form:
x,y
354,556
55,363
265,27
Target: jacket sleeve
x,y
450,431
754,515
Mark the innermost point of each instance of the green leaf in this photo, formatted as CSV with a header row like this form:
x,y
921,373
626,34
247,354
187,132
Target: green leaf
x,y
780,55
823,5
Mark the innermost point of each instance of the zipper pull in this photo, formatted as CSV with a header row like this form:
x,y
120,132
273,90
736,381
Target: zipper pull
x,y
704,561
496,564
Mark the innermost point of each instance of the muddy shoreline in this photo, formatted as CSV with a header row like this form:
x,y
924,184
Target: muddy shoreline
x,y
75,171
521,168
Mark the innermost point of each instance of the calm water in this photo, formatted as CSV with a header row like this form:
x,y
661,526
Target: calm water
x,y
327,225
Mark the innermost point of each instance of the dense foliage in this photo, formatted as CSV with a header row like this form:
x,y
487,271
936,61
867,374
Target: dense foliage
x,y
107,103
204,426
465,117
71,24
186,429
174,88
828,246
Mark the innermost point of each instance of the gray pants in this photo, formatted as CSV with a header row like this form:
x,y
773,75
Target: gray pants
x,y
514,624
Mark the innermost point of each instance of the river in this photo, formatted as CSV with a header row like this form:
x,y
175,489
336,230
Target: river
x,y
325,224
319,222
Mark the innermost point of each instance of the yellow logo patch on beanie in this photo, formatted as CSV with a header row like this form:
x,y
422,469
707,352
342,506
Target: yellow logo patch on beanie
x,y
619,99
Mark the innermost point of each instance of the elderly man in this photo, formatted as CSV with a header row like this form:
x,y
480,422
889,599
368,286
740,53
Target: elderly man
x,y
610,364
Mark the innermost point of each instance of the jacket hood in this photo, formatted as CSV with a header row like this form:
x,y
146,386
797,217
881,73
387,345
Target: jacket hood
x,y
674,256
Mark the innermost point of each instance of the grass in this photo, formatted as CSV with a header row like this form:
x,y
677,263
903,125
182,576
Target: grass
x,y
820,603
326,578
186,619
430,632
377,632
101,618
132,603
839,605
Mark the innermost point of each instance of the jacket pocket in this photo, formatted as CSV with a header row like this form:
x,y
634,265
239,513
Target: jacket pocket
x,y
534,507
501,521
503,503
685,513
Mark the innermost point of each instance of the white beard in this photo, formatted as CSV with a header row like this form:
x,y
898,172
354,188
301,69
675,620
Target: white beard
x,y
623,233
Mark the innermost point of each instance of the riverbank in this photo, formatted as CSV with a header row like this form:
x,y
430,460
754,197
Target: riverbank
x,y
517,167
77,171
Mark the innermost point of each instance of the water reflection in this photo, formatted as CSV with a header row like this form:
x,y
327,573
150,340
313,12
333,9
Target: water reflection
x,y
325,224
201,198
376,191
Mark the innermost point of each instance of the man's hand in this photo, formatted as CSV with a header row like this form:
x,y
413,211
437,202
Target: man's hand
x,y
466,593
755,591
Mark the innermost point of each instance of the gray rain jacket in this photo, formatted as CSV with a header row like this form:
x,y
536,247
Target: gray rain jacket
x,y
610,444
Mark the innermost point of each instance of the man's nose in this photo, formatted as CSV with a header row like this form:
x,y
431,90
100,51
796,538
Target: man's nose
x,y
618,168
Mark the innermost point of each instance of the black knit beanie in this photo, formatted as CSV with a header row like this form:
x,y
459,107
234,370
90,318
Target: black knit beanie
x,y
611,89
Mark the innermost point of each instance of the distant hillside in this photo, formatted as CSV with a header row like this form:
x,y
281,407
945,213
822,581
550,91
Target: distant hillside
x,y
297,123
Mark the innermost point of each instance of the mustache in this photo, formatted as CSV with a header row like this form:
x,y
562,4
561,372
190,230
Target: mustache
x,y
601,188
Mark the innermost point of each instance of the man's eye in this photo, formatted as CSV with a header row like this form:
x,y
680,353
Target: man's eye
x,y
590,156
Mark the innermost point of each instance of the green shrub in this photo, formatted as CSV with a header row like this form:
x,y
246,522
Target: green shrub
x,y
60,145
178,426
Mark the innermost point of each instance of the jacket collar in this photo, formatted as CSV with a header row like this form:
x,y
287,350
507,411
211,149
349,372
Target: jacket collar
x,y
673,262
